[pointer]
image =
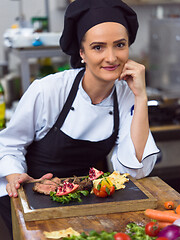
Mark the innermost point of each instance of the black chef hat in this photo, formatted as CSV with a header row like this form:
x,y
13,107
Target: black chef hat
x,y
81,15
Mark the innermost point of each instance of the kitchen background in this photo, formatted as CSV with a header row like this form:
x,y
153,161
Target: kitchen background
x,y
157,46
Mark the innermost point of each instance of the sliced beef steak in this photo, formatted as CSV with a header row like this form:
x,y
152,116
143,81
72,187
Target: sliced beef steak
x,y
56,180
44,188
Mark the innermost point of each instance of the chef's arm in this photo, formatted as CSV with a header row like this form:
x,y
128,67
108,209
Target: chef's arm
x,y
140,126
134,74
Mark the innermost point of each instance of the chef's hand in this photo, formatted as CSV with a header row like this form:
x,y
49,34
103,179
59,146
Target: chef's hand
x,y
134,74
16,179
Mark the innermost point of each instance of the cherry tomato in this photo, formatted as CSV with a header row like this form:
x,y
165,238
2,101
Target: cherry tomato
x,y
152,229
112,190
169,205
121,236
103,188
100,193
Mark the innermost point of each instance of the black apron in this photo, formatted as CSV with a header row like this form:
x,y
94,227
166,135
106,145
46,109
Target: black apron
x,y
64,156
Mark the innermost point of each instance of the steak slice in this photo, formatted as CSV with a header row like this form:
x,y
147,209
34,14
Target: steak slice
x,y
44,188
56,180
48,182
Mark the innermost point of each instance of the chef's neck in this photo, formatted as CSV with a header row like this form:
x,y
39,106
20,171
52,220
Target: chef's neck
x,y
97,90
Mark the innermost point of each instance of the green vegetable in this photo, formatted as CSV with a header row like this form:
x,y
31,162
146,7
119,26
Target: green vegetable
x,y
93,235
106,174
76,196
137,232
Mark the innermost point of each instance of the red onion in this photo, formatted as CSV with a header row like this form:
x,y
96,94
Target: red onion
x,y
172,232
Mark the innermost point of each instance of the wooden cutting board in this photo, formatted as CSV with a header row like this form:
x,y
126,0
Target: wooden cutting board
x,y
40,207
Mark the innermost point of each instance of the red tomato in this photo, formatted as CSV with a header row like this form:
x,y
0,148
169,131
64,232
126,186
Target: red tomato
x,y
152,229
112,190
121,236
100,193
103,188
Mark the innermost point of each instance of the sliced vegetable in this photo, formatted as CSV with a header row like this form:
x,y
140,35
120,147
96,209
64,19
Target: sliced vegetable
x,y
161,215
152,229
121,236
107,182
112,190
172,232
100,193
169,205
104,190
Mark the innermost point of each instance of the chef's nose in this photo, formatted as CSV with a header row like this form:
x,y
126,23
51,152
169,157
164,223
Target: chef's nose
x,y
111,55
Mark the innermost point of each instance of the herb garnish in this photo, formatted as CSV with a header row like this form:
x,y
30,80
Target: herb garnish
x,y
76,196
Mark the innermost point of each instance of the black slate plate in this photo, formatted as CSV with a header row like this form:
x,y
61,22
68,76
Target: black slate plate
x,y
39,201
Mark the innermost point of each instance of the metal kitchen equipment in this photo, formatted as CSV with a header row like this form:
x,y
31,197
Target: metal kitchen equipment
x,y
164,72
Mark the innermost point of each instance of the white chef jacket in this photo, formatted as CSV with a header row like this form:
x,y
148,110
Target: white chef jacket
x,y
39,108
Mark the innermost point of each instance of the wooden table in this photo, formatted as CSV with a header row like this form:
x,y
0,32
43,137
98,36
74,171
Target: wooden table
x,y
110,222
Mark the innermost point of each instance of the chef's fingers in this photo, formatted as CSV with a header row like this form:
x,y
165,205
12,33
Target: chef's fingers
x,y
13,184
47,176
11,190
24,177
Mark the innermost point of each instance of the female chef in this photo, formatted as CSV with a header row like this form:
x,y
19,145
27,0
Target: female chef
x,y
68,121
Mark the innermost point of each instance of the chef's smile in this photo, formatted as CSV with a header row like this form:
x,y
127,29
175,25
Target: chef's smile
x,y
111,68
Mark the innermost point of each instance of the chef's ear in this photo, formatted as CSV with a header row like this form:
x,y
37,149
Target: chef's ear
x,y
81,53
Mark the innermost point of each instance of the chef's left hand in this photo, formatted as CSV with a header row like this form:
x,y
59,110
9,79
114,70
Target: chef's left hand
x,y
15,180
134,74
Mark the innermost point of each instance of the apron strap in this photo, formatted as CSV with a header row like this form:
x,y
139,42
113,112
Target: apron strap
x,y
63,114
69,101
116,113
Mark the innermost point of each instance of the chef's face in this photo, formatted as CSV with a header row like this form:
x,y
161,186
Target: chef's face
x,y
105,50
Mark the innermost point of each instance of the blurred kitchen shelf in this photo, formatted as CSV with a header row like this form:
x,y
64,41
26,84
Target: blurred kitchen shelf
x,y
25,54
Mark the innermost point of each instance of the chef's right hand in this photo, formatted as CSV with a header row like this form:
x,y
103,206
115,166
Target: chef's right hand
x,y
16,179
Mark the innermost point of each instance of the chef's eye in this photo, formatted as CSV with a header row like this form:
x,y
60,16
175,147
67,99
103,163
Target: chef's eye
x,y
97,47
121,44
